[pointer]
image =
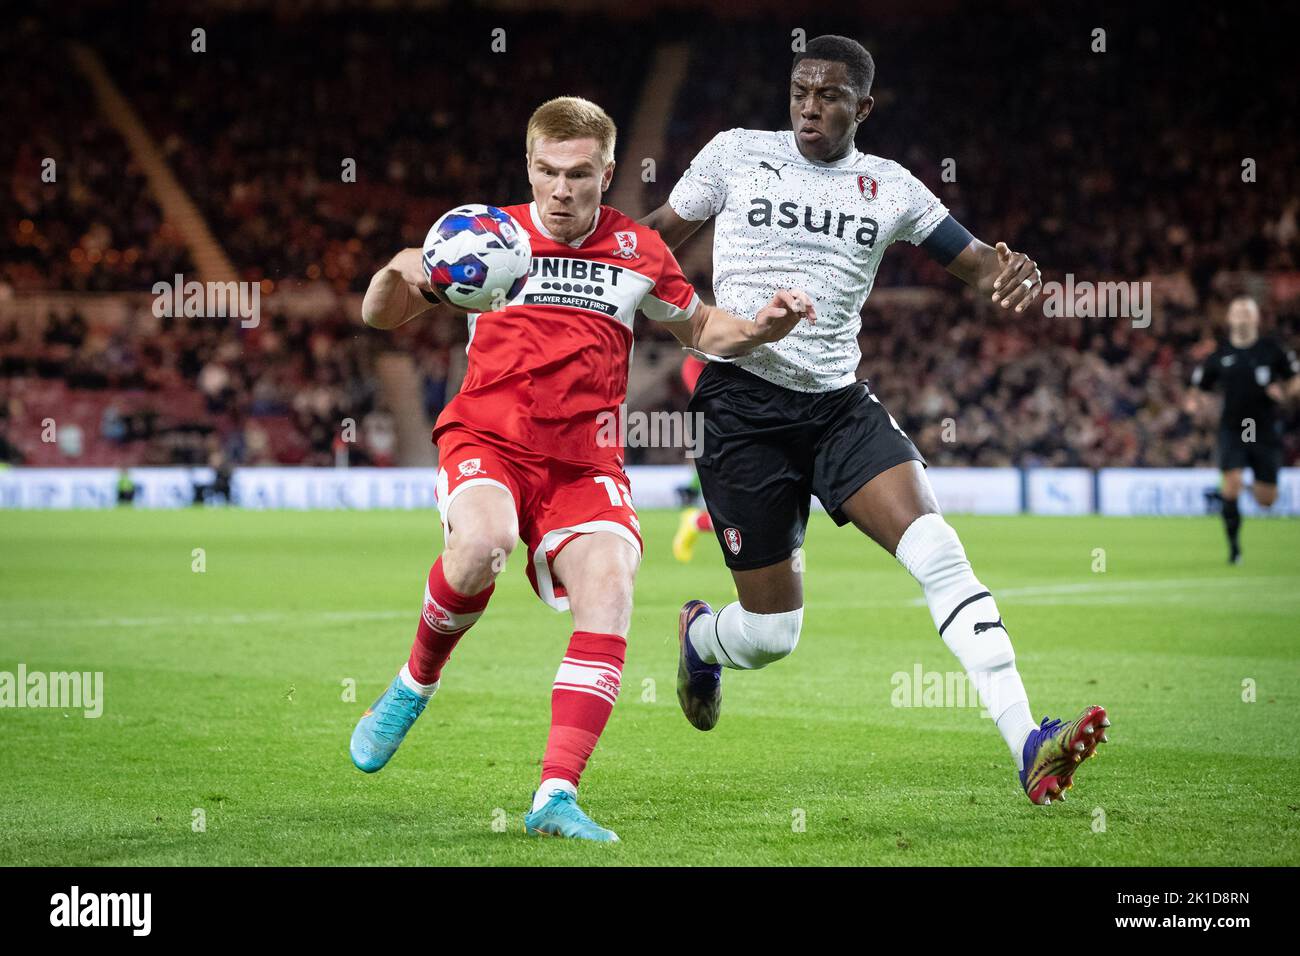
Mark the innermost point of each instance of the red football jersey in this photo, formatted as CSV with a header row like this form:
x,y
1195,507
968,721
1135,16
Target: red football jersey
x,y
544,367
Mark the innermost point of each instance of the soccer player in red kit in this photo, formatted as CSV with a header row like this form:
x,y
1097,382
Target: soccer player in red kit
x,y
694,519
523,448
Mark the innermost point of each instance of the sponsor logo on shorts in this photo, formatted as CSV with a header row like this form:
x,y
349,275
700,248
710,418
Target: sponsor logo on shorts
x,y
470,467
732,537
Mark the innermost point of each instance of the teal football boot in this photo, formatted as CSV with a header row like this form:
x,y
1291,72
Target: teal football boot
x,y
562,817
382,727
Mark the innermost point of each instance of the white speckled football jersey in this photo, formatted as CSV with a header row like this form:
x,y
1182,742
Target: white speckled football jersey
x,y
784,221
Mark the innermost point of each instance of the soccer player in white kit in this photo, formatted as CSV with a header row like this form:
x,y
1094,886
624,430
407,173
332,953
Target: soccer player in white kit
x,y
804,208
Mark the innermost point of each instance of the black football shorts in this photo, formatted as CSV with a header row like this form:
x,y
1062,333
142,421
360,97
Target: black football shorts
x,y
768,449
1263,457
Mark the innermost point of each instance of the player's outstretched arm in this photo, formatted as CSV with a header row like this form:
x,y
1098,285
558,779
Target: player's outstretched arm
x,y
715,331
1010,278
673,229
394,296
1288,371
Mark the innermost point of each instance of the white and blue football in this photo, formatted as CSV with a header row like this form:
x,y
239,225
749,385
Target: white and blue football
x,y
479,256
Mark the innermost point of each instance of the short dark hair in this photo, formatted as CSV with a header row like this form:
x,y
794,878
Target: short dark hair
x,y
862,69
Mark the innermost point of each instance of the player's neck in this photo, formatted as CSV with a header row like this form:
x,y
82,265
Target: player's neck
x,y
578,234
839,156
1242,343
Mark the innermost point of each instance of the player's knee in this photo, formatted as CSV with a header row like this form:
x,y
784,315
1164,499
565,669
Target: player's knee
x,y
601,600
768,637
963,610
483,550
607,614
493,548
1265,495
932,552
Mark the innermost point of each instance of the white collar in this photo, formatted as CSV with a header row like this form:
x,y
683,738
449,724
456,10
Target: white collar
x,y
537,221
848,159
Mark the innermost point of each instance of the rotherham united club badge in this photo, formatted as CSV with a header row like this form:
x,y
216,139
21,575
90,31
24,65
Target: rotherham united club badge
x,y
868,187
626,245
732,537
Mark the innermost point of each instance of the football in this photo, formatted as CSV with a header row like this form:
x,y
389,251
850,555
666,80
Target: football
x,y
479,256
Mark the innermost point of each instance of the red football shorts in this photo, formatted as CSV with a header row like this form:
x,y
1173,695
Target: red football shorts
x,y
555,501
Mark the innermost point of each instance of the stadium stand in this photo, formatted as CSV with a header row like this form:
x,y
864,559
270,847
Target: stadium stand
x,y
256,130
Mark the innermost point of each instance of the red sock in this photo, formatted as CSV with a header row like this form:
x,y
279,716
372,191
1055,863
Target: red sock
x,y
447,615
703,522
584,692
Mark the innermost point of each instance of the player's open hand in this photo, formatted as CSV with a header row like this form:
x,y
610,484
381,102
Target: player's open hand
x,y
783,313
1019,282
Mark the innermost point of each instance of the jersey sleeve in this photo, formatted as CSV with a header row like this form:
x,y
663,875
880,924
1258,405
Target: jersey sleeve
x,y
923,212
672,298
1205,375
701,193
1285,364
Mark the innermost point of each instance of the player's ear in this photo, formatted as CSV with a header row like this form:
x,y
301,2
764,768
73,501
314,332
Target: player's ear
x,y
607,176
864,107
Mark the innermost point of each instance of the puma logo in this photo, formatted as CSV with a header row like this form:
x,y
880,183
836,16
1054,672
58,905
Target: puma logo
x,y
766,165
983,626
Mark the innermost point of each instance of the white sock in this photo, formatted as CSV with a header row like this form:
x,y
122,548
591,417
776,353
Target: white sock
x,y
703,638
970,624
547,787
744,640
1002,693
414,686
1015,725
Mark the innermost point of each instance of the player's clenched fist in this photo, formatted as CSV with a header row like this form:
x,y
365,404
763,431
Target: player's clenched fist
x,y
778,317
1019,282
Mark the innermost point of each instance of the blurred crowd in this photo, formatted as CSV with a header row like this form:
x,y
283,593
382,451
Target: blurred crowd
x,y
1123,164
75,211
1004,390
319,146
191,391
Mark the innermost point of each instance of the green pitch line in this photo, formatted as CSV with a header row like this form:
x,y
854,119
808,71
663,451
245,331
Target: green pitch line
x,y
224,732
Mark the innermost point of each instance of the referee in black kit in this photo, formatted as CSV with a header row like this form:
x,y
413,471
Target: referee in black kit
x,y
1249,370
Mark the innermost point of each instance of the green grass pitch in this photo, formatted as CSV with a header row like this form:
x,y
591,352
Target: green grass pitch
x,y
225,702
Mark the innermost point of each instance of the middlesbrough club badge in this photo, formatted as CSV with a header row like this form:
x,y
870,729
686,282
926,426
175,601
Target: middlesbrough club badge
x,y
868,188
626,245
732,537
